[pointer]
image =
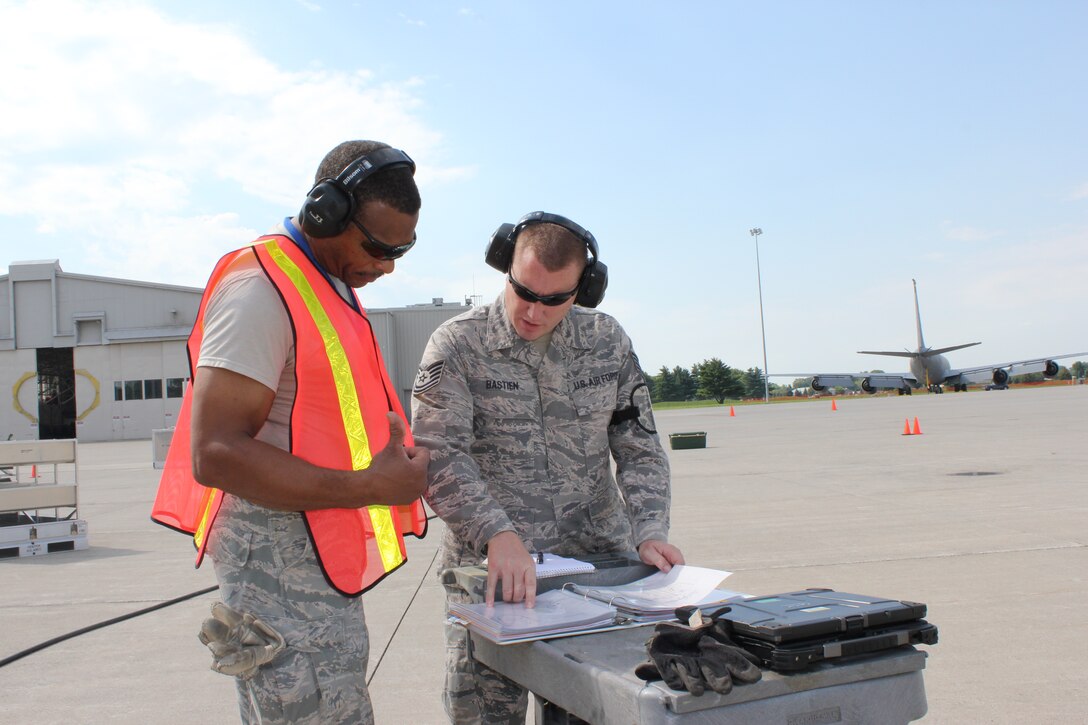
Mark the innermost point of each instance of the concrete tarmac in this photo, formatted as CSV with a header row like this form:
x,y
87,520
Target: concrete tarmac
x,y
984,517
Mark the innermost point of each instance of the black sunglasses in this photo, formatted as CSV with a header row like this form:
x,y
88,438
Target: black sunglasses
x,y
381,250
529,296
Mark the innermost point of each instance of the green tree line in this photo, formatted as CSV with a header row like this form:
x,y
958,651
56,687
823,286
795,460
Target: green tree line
x,y
708,380
714,380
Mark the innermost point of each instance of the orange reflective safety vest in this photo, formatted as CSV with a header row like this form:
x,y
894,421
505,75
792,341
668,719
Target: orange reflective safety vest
x,y
338,420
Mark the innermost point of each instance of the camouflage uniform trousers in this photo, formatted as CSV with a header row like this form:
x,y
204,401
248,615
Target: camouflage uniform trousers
x,y
476,694
265,565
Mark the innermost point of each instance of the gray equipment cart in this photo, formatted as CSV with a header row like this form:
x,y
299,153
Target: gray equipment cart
x,y
590,678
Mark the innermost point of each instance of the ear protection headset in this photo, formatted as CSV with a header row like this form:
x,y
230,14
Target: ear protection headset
x,y
594,280
330,205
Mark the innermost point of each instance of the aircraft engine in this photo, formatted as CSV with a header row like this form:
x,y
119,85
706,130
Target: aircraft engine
x,y
1051,369
866,386
815,385
1001,376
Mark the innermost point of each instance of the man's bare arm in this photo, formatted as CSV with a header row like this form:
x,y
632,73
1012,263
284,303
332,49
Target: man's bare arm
x,y
229,410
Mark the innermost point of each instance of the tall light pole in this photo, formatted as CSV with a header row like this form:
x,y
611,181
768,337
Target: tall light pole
x,y
755,232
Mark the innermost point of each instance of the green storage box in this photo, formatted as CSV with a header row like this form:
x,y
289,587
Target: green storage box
x,y
680,441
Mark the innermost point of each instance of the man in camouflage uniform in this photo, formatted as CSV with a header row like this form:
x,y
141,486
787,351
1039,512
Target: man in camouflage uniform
x,y
522,403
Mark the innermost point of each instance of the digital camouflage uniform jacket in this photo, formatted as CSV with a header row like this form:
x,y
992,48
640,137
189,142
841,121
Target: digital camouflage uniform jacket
x,y
520,441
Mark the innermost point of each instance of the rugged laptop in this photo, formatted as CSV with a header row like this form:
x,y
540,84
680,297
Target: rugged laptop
x,y
793,630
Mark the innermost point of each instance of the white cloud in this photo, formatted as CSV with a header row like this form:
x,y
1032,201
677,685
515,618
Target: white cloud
x,y
125,118
161,247
1047,277
1081,192
965,233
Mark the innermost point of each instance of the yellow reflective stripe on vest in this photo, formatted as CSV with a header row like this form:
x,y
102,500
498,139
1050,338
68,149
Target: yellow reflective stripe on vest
x,y
380,517
205,513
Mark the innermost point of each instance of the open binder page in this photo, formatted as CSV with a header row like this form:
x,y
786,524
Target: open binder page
x,y
556,612
660,592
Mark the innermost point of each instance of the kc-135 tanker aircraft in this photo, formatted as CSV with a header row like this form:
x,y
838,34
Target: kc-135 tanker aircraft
x,y
930,368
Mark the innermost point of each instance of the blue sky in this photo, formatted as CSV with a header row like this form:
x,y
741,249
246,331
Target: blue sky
x,y
872,143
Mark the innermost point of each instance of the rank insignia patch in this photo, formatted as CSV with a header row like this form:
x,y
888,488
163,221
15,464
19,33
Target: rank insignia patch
x,y
428,377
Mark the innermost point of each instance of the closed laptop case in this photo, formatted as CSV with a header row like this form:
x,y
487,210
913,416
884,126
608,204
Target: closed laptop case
x,y
800,615
800,654
794,630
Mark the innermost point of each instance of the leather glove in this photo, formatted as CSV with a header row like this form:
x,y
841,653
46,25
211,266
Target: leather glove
x,y
723,664
240,643
675,657
698,656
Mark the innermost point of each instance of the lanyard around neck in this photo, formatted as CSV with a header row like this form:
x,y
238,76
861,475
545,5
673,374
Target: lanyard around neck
x,y
300,241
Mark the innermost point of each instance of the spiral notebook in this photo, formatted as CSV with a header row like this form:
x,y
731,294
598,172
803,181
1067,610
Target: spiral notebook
x,y
555,565
549,565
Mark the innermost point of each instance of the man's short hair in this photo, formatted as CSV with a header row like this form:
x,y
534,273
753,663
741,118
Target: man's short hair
x,y
554,246
394,186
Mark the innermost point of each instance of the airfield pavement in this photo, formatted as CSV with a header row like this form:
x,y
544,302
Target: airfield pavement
x,y
984,517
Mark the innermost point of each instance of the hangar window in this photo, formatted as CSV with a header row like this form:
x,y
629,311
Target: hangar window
x,y
174,387
152,389
134,390
118,390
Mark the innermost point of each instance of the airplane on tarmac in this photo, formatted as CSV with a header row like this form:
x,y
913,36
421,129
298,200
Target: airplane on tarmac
x,y
929,367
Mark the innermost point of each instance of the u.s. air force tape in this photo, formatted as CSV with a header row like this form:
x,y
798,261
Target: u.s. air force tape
x,y
428,377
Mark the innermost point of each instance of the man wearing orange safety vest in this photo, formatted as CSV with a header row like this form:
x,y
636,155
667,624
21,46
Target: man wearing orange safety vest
x,y
291,464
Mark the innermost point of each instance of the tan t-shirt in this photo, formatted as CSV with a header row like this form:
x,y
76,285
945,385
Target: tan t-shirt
x,y
247,331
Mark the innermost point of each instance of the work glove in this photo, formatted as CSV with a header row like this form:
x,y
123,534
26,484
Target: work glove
x,y
675,657
240,643
697,656
721,630
723,665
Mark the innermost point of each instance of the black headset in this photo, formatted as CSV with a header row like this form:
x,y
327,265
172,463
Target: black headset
x,y
594,281
330,205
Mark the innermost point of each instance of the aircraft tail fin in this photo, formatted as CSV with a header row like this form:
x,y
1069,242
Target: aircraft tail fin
x,y
918,317
921,352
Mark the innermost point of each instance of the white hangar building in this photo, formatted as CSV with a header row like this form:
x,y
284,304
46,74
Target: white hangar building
x,y
100,359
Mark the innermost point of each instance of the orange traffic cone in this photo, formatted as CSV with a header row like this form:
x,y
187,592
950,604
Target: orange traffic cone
x,y
906,427
732,413
917,430
833,406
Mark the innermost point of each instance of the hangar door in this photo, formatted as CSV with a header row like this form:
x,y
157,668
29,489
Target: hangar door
x,y
56,393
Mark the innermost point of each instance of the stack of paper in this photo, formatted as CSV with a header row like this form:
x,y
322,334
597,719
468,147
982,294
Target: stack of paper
x,y
556,612
657,596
